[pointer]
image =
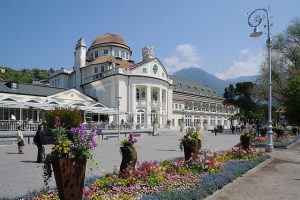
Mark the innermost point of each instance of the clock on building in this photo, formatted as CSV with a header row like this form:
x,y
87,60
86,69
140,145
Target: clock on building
x,y
155,68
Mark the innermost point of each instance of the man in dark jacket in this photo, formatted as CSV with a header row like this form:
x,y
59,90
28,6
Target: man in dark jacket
x,y
39,143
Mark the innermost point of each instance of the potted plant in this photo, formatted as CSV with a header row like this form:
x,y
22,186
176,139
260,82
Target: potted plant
x,y
129,154
191,144
294,130
72,147
245,139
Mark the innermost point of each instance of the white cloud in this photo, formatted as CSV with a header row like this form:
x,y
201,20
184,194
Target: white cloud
x,y
249,67
244,51
187,57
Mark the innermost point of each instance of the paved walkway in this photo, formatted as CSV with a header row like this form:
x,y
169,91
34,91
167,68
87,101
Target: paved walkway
x,y
277,178
19,173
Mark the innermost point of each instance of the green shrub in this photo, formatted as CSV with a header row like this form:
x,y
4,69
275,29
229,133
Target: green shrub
x,y
68,116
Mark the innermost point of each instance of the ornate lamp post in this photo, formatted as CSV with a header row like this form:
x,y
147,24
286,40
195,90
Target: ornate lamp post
x,y
254,20
118,123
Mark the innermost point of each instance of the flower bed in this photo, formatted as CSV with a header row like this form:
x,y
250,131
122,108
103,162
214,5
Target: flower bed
x,y
171,179
278,142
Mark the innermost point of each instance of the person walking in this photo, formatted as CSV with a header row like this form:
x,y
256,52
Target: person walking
x,y
216,130
39,143
20,139
232,129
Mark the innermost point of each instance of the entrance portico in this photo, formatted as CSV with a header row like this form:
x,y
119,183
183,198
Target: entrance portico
x,y
149,103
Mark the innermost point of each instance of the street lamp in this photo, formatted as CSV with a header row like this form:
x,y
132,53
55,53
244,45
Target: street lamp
x,y
118,103
254,20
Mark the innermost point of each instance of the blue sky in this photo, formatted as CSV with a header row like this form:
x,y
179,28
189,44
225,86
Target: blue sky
x,y
212,35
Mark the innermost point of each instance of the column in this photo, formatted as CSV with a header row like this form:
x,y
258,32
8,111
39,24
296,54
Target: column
x,y
133,103
148,110
208,122
166,106
160,107
38,115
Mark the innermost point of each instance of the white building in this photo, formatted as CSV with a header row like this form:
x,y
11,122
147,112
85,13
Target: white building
x,y
143,92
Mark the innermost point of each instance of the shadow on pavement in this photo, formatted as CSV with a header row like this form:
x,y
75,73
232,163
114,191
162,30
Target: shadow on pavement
x,y
28,161
165,150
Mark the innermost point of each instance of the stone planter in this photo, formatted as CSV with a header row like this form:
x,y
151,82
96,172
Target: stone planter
x,y
69,177
191,148
129,158
245,142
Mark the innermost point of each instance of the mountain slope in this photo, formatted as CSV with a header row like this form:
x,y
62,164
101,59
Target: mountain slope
x,y
205,78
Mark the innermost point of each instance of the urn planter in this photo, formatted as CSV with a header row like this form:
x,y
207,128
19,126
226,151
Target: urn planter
x,y
129,158
191,148
245,142
69,176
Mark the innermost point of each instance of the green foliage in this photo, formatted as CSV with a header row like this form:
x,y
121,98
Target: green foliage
x,y
70,117
292,100
155,180
229,94
25,75
191,135
105,183
285,62
243,96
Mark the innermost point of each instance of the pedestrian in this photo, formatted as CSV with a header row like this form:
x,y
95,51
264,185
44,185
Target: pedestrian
x,y
20,139
216,130
39,143
232,129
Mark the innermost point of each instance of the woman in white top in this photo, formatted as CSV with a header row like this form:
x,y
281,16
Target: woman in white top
x,y
20,139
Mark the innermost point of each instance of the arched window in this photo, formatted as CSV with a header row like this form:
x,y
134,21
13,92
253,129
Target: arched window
x,y
154,117
140,117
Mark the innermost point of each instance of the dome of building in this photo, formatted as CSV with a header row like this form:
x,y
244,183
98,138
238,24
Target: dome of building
x,y
109,38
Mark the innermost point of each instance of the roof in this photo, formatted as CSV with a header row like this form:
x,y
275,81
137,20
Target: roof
x,y
193,87
109,38
105,59
29,89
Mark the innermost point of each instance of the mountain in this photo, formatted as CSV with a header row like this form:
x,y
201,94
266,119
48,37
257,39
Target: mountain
x,y
205,78
252,79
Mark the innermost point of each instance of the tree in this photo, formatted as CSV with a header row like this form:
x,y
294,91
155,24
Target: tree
x,y
229,94
243,96
285,62
292,100
51,70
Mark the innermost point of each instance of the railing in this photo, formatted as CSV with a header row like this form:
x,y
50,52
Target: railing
x,y
141,103
11,125
109,126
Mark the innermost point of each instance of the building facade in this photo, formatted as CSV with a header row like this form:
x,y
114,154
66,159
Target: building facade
x,y
142,92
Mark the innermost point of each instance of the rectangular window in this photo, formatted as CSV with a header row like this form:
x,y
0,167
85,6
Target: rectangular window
x,y
144,70
57,81
92,55
102,68
105,51
96,70
163,75
176,106
123,54
116,53
96,54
